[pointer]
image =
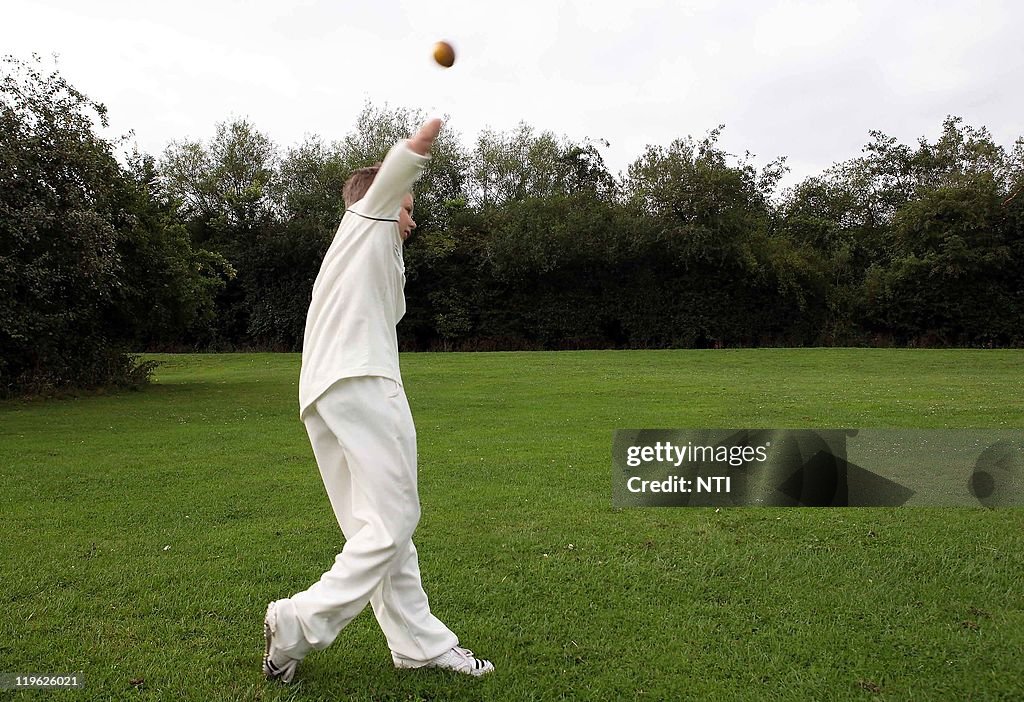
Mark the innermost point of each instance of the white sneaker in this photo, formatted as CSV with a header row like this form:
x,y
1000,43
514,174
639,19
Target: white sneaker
x,y
276,665
461,660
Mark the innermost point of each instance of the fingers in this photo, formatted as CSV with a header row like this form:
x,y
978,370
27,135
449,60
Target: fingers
x,y
425,137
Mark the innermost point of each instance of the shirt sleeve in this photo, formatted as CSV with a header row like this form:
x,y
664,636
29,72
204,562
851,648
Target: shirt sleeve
x,y
401,168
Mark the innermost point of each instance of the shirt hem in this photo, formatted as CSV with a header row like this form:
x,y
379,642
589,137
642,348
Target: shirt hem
x,y
324,385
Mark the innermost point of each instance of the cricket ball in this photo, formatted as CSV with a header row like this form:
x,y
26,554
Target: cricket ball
x,y
444,54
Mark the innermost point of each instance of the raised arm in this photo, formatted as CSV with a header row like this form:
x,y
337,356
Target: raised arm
x,y
400,169
424,138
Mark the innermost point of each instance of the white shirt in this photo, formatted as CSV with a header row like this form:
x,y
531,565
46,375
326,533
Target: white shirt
x,y
358,297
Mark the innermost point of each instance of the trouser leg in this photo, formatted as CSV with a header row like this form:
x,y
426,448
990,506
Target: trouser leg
x,y
403,611
365,445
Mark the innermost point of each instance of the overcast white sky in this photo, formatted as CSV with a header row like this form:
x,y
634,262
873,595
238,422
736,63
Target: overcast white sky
x,y
794,78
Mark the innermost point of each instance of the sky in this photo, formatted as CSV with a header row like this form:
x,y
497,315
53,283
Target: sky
x,y
794,78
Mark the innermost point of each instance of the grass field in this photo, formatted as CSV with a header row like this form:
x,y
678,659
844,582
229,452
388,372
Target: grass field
x,y
144,533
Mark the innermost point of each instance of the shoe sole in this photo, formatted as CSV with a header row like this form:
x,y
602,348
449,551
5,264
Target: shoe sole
x,y
406,664
285,673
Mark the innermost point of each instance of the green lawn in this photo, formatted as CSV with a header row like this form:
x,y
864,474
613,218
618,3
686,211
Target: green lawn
x,y
144,533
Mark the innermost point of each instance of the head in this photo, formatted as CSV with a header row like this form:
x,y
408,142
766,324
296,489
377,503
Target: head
x,y
357,185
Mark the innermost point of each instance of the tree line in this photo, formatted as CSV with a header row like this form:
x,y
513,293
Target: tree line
x,y
526,240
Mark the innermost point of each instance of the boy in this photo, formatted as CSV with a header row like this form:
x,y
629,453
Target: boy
x,y
353,404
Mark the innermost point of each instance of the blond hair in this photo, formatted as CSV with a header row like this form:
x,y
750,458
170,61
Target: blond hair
x,y
358,183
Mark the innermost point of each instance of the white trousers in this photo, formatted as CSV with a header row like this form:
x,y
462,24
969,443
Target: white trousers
x,y
364,442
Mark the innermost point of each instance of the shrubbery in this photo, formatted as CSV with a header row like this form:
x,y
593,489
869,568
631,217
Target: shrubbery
x,y
526,241
91,262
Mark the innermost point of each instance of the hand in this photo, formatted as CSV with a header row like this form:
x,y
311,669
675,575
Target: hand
x,y
425,137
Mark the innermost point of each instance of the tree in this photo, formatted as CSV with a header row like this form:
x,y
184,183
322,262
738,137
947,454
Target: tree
x,y
951,270
708,235
166,287
58,234
224,189
510,166
951,278
825,220
87,263
308,189
225,194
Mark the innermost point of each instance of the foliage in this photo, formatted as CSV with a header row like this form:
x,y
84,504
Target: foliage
x,y
93,261
524,241
167,286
